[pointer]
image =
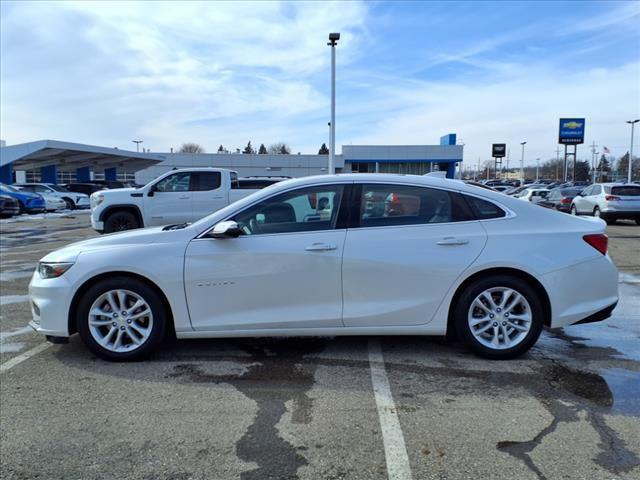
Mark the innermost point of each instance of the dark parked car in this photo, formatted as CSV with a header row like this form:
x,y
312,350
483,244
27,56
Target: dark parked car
x,y
560,198
28,202
111,183
9,206
258,182
86,188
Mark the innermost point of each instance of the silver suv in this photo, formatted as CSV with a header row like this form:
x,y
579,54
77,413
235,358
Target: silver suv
x,y
609,201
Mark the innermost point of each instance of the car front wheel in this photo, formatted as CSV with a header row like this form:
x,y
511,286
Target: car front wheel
x,y
121,319
499,317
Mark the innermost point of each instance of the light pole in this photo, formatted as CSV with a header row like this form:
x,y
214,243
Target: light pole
x,y
333,41
537,169
137,142
632,123
522,164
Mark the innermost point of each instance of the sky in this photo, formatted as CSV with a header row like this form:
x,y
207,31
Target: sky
x,y
225,73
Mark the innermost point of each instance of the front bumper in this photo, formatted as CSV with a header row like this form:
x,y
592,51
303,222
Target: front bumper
x,y
96,224
50,300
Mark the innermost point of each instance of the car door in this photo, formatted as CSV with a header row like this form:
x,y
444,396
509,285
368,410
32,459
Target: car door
x,y
208,194
284,271
590,200
581,202
407,247
169,201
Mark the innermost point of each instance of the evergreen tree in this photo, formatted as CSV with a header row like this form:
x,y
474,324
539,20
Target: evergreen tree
x,y
262,150
323,150
221,149
604,168
248,148
582,170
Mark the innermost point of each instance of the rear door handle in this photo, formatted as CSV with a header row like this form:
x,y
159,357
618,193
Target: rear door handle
x,y
452,241
320,247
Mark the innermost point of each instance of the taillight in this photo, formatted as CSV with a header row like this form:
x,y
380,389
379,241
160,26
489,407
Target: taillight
x,y
599,241
565,201
611,197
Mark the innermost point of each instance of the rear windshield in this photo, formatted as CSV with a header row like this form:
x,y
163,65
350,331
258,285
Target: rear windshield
x,y
626,190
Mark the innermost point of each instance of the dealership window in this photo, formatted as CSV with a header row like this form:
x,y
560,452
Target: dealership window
x,y
302,210
387,205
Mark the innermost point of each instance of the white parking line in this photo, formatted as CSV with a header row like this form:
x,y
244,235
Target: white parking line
x,y
395,451
9,364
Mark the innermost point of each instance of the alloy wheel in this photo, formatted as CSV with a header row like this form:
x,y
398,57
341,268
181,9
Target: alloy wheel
x,y
120,320
500,318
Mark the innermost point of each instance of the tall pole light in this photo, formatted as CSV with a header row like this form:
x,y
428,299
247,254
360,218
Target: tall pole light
x,y
522,164
333,41
537,169
137,142
633,124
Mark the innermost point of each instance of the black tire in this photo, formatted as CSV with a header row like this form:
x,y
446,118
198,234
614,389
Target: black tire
x,y
476,288
70,204
637,221
573,210
160,318
120,221
21,208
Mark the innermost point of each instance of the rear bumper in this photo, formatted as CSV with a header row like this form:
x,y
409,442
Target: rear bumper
x,y
620,214
581,291
598,316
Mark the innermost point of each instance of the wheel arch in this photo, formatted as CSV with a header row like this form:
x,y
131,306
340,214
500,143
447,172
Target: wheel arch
x,y
530,279
122,208
103,276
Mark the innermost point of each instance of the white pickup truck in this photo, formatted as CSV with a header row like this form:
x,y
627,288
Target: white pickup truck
x,y
178,196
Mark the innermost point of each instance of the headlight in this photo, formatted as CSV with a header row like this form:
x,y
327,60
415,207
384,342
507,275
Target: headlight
x,y
52,270
96,199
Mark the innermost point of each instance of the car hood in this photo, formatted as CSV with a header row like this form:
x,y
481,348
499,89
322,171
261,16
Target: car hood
x,y
143,236
118,191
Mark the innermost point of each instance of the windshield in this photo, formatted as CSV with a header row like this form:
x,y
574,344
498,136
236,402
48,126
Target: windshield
x,y
9,188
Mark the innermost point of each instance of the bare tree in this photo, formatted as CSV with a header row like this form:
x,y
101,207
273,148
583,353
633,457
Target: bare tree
x,y
191,147
280,148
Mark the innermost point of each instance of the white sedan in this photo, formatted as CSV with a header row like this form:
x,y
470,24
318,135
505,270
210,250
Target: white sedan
x,y
357,254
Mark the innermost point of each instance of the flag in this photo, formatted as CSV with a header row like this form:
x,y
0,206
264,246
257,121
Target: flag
x,y
605,150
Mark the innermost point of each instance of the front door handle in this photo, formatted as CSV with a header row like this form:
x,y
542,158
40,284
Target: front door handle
x,y
320,247
184,197
452,241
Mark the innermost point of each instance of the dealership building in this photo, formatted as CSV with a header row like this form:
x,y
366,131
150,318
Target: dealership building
x,y
53,161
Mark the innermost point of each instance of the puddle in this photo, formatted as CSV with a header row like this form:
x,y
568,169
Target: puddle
x,y
625,389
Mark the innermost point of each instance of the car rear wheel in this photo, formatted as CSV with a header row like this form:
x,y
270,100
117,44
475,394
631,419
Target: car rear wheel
x,y
574,210
120,221
121,319
499,317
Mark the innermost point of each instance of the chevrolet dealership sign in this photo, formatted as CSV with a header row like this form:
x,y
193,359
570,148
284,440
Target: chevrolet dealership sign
x,y
571,131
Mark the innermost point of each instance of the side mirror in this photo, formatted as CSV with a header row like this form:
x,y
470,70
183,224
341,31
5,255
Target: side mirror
x,y
225,229
152,191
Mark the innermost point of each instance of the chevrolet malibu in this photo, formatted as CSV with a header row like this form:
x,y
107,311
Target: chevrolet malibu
x,y
355,254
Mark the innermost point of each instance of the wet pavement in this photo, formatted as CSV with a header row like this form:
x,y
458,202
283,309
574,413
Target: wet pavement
x,y
305,407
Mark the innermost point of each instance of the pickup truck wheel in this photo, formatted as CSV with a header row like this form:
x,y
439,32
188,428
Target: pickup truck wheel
x,y
120,221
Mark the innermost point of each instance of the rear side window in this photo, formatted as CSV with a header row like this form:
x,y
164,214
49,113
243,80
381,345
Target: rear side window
x,y
627,190
389,205
484,209
204,181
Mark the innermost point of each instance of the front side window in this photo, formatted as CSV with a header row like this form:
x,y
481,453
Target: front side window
x,y
388,205
302,210
178,182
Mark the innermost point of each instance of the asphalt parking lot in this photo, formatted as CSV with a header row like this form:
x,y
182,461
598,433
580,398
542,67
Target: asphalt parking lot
x,y
317,408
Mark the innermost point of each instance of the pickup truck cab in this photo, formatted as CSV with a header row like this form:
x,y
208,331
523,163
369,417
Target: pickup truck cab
x,y
178,196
